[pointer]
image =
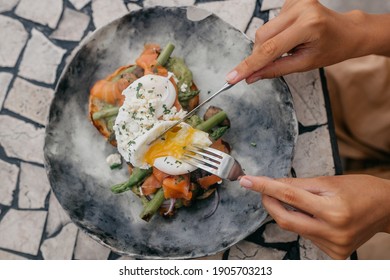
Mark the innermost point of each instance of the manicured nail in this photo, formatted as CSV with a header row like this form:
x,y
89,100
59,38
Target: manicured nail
x,y
253,79
231,76
246,183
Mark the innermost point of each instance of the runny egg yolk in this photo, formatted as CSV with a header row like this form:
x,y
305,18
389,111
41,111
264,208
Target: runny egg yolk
x,y
172,144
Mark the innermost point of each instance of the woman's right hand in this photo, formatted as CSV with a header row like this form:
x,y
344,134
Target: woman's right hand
x,y
313,36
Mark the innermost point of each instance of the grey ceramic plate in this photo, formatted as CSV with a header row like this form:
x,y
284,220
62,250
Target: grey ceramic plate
x,y
75,153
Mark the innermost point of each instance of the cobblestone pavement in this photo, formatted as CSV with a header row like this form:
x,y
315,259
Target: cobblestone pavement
x,y
37,39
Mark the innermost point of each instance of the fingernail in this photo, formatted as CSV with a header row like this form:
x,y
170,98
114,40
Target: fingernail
x,y
231,76
246,183
253,79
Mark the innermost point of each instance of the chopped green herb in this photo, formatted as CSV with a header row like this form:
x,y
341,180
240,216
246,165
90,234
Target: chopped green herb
x,y
253,144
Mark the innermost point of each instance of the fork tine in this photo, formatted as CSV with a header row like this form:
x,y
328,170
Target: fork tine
x,y
203,160
198,152
210,150
199,165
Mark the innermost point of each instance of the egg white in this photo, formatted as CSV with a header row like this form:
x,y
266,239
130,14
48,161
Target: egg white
x,y
137,124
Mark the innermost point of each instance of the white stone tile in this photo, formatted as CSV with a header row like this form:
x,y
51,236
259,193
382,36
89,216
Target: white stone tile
x,y
21,230
309,103
9,176
40,59
253,26
29,100
273,13
168,3
271,4
79,4
133,7
7,5
33,186
104,11
4,255
13,39
57,217
5,79
309,251
45,12
89,249
61,246
273,234
313,154
245,250
230,9
72,26
16,135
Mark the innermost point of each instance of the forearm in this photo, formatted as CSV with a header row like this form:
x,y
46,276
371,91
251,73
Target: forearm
x,y
374,33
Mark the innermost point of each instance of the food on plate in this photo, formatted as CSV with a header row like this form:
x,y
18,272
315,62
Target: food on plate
x,y
133,106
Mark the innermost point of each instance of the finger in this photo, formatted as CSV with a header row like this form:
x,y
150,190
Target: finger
x,y
296,197
272,28
297,62
265,53
291,220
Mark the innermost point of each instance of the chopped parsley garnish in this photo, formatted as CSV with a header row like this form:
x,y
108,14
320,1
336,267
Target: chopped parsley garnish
x,y
166,110
138,94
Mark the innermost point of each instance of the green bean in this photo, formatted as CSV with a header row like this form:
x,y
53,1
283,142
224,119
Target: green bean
x,y
112,111
212,121
136,178
153,205
165,54
218,132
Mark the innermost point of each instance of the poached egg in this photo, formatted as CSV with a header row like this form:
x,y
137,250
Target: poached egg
x,y
147,111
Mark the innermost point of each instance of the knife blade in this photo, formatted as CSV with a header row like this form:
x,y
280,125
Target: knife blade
x,y
226,86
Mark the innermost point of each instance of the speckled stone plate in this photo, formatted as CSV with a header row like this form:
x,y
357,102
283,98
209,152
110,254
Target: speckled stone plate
x,y
262,135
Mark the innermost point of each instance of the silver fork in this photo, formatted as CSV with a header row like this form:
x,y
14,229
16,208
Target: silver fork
x,y
213,161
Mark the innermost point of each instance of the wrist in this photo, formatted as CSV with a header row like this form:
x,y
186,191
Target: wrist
x,y
375,33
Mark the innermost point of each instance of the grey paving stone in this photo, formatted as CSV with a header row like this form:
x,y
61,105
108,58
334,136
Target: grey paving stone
x,y
168,3
7,5
4,255
273,13
5,79
104,11
16,135
9,176
309,251
13,39
33,186
133,7
273,234
253,26
29,100
57,217
40,59
314,147
271,4
21,230
79,4
45,12
245,250
306,89
228,11
89,249
72,26
61,246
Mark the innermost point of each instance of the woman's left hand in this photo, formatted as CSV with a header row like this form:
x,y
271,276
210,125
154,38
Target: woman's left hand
x,y
339,213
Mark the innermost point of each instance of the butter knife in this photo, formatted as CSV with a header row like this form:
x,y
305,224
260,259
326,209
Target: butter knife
x,y
226,86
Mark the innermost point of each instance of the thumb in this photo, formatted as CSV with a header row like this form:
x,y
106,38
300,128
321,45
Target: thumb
x,y
287,193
